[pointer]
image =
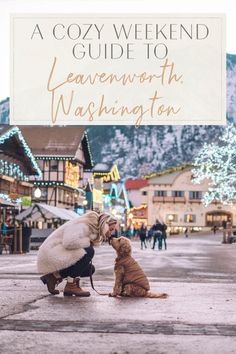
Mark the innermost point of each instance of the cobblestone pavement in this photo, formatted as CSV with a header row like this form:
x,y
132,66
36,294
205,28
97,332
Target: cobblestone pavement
x,y
199,315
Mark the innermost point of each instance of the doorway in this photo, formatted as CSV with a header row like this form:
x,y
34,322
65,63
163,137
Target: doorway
x,y
215,218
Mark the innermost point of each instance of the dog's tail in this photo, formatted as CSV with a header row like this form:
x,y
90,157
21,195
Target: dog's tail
x,y
156,296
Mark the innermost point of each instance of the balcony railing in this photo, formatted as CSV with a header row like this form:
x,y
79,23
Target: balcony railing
x,y
168,199
195,200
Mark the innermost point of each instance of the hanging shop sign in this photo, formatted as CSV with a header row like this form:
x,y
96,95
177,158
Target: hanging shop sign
x,y
139,212
111,176
14,196
71,174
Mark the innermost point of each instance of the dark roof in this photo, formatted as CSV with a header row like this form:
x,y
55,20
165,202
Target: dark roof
x,y
55,141
87,153
58,141
103,167
14,148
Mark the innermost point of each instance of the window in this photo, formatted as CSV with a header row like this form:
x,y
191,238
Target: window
x,y
160,193
177,193
61,195
189,218
195,195
40,164
144,193
53,165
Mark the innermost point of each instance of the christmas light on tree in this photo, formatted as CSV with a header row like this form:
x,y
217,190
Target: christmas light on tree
x,y
217,164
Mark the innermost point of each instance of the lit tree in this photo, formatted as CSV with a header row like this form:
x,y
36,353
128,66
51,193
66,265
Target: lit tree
x,y
217,164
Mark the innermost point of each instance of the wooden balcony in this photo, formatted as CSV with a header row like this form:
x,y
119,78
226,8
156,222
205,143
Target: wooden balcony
x,y
195,201
168,199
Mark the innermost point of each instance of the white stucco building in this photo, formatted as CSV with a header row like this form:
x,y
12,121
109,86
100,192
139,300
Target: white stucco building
x,y
134,189
171,196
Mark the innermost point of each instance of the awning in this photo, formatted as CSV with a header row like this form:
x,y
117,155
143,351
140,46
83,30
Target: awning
x,y
44,212
4,202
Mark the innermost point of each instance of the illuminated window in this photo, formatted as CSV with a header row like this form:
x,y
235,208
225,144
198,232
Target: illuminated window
x,y
189,218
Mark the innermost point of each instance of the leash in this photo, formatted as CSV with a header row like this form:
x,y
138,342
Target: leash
x,y
91,281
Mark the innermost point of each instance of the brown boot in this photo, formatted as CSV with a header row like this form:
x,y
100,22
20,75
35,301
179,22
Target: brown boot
x,y
73,288
51,281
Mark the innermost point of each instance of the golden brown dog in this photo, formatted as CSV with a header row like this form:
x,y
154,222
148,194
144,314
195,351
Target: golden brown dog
x,y
130,280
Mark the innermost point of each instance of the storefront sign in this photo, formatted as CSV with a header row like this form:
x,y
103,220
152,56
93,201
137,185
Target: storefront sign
x,y
97,196
111,176
71,174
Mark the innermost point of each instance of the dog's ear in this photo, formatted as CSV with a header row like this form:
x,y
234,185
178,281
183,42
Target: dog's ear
x,y
125,248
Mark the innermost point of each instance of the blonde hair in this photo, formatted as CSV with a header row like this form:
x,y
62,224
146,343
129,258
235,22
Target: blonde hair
x,y
96,223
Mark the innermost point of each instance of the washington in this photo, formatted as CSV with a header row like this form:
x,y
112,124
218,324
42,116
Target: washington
x,y
92,110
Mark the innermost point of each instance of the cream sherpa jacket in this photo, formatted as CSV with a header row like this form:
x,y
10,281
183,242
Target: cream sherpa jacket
x,y
64,247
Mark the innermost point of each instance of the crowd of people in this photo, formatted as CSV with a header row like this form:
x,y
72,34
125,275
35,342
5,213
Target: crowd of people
x,y
155,236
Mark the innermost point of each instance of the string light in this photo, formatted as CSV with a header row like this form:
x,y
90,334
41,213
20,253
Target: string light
x,y
108,176
85,136
54,183
167,170
144,206
118,192
64,158
217,164
16,131
12,170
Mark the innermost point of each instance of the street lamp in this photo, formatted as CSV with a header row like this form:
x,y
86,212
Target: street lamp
x,y
114,212
37,193
170,219
130,216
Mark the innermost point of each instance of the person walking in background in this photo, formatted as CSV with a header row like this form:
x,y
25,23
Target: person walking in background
x,y
4,228
164,236
229,231
129,233
149,235
157,230
143,236
224,223
186,232
214,229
